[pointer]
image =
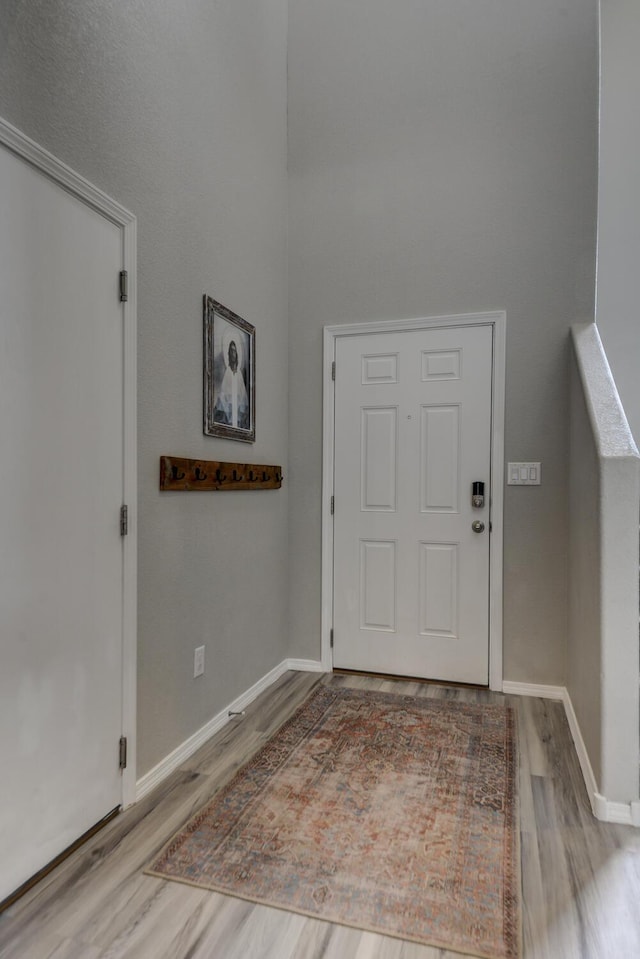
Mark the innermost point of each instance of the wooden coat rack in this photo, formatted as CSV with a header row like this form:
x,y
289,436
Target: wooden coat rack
x,y
180,474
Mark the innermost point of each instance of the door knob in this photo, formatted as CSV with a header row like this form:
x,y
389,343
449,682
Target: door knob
x,y
477,526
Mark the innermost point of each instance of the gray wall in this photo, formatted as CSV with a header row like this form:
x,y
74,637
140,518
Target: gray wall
x,y
178,111
584,658
604,477
442,159
618,298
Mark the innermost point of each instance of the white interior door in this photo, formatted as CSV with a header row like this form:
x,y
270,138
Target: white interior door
x,y
412,433
61,553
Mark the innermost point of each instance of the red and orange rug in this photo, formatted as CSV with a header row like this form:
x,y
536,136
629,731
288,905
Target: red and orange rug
x,y
393,814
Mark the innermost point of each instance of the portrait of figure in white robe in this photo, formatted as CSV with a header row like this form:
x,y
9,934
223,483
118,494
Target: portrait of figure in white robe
x,y
231,406
229,373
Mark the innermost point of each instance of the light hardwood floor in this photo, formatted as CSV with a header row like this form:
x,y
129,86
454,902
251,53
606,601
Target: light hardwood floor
x,y
581,878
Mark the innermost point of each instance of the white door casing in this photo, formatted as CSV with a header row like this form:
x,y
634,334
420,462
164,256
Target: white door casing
x,y
408,587
68,578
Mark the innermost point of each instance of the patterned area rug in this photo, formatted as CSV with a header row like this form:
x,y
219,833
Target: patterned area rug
x,y
393,814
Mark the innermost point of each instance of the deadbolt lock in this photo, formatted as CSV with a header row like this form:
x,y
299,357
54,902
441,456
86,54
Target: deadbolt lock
x,y
477,494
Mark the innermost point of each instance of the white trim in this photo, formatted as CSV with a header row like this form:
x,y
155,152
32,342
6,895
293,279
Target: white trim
x,y
328,408
415,323
130,494
533,689
583,758
306,665
625,813
497,320
47,164
601,807
186,749
498,401
44,161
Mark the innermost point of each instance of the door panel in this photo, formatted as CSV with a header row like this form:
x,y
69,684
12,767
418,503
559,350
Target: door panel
x,y
412,433
439,467
61,554
439,589
378,468
378,585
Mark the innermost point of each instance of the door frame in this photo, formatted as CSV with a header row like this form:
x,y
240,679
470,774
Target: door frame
x,y
498,323
36,156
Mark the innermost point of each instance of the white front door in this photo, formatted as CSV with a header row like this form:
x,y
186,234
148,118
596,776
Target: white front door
x,y
412,434
61,552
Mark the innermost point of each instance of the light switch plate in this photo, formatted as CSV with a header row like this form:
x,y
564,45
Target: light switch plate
x,y
523,474
198,661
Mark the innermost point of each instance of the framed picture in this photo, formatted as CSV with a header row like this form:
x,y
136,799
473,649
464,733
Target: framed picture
x,y
229,374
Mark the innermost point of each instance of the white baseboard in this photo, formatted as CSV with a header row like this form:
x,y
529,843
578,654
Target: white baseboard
x,y
598,802
533,689
628,814
306,665
602,808
186,749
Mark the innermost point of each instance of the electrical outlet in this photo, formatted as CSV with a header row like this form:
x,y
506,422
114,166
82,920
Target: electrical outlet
x,y
198,661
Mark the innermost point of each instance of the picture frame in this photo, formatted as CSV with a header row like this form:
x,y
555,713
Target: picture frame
x,y
229,373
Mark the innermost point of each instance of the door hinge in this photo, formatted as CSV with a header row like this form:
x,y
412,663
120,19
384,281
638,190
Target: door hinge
x,y
124,520
123,752
333,370
124,286
331,638
333,505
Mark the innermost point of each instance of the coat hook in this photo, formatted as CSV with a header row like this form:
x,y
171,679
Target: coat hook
x,y
179,473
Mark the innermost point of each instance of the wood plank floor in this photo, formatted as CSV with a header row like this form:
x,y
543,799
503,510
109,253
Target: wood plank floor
x,y
581,878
